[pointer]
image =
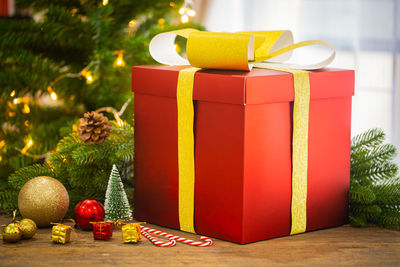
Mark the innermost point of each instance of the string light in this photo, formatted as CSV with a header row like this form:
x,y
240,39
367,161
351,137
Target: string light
x,y
74,11
88,75
118,118
53,94
186,11
26,109
16,101
161,21
185,19
171,4
12,93
115,112
2,144
27,123
120,123
105,2
191,13
28,145
11,114
119,61
132,23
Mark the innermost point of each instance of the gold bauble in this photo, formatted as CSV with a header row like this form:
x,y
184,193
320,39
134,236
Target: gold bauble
x,y
44,200
12,233
28,228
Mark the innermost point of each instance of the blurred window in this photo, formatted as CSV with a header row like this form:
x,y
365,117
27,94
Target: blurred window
x,y
366,34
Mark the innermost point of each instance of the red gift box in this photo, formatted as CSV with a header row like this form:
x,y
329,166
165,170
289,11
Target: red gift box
x,y
243,133
102,230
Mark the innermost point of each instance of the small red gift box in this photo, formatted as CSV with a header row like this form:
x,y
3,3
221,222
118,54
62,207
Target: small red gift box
x,y
243,149
102,230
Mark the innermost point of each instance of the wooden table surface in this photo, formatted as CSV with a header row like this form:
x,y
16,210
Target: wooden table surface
x,y
344,245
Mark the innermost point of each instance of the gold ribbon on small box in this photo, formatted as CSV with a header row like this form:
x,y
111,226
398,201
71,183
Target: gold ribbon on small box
x,y
102,228
131,232
61,233
119,223
238,51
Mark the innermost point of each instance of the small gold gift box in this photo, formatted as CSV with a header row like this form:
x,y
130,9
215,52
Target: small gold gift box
x,y
61,233
131,233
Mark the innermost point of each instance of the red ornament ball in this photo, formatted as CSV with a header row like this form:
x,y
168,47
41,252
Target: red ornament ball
x,y
87,211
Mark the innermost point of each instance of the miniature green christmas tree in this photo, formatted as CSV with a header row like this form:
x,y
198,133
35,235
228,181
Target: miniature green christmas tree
x,y
116,204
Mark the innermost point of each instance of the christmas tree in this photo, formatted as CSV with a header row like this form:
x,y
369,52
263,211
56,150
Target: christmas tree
x,y
374,183
116,205
68,58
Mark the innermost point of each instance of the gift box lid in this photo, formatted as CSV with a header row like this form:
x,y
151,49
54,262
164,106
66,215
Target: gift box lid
x,y
258,86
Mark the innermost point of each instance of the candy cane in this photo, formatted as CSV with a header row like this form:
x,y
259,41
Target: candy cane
x,y
207,241
171,242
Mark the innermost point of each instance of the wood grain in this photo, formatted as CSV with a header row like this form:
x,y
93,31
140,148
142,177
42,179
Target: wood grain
x,y
346,245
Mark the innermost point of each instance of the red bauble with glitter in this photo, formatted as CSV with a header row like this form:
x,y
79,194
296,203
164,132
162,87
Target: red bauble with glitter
x,y
87,211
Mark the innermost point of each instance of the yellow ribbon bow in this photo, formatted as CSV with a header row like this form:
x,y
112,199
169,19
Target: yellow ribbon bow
x,y
233,51
238,51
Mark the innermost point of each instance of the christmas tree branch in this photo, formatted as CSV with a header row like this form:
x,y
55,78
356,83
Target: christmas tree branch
x,y
374,184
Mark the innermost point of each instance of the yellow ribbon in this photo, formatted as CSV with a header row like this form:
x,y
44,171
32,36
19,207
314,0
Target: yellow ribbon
x,y
184,96
301,104
238,51
101,223
14,215
234,51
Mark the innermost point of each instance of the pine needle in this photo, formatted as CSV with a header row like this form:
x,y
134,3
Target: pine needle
x,y
375,184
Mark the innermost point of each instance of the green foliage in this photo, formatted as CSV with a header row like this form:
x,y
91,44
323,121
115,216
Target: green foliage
x,y
362,194
82,168
63,38
374,184
368,139
116,204
20,177
358,221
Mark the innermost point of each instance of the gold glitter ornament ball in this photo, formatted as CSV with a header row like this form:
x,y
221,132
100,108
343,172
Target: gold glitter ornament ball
x,y
44,200
28,228
12,233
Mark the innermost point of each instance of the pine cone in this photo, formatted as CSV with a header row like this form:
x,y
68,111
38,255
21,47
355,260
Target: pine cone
x,y
94,128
